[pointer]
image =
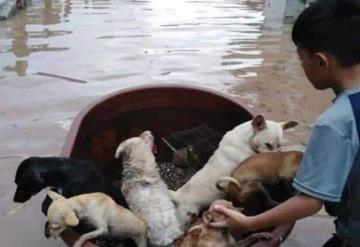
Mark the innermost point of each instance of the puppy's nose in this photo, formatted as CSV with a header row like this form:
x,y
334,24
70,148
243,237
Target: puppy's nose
x,y
20,198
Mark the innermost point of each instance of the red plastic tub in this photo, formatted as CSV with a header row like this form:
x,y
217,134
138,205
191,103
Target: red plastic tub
x,y
163,109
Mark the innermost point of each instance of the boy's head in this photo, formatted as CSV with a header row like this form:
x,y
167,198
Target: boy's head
x,y
327,35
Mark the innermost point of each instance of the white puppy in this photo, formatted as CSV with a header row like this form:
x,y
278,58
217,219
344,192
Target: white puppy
x,y
258,135
145,191
99,210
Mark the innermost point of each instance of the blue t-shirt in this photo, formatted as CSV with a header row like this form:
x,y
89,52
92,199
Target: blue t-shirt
x,y
330,154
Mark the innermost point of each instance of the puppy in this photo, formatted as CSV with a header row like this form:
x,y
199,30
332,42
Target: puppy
x,y
258,135
267,168
244,242
191,238
69,177
99,210
145,191
213,237
202,235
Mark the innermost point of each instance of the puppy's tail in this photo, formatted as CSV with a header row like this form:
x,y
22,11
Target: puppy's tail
x,y
17,208
224,188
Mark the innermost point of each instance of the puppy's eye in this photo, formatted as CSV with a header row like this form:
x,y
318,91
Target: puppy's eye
x,y
269,146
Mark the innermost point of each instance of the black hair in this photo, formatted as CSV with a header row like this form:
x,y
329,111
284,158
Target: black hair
x,y
331,26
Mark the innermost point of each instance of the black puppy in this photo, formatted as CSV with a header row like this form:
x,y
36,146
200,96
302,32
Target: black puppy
x,y
69,177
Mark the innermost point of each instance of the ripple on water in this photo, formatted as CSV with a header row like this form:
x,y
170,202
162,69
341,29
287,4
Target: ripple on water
x,y
85,35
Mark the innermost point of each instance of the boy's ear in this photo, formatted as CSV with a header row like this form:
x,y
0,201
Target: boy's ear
x,y
71,219
54,196
322,60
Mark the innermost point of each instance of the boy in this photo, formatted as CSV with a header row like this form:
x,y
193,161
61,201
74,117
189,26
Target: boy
x,y
327,36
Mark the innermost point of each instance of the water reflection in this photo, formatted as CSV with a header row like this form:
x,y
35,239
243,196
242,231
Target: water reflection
x,y
19,68
241,47
175,40
29,32
238,46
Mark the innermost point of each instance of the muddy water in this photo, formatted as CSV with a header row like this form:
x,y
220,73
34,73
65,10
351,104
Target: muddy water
x,y
240,47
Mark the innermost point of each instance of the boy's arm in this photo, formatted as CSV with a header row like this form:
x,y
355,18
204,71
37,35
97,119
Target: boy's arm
x,y
321,177
291,210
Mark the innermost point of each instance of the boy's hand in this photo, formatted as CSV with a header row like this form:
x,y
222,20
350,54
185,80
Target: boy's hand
x,y
295,208
234,220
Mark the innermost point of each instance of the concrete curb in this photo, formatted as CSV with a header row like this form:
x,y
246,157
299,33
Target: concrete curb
x,y
7,8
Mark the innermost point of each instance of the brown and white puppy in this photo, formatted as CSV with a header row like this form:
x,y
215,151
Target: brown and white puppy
x,y
190,239
244,242
202,235
100,211
145,192
258,135
215,237
262,168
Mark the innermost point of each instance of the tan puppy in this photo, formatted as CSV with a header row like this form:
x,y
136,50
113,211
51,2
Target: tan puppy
x,y
238,144
202,235
268,168
191,238
99,210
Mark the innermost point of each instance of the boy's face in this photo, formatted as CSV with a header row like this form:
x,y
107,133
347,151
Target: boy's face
x,y
316,67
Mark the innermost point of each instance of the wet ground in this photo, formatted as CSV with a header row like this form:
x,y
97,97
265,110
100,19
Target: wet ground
x,y
236,46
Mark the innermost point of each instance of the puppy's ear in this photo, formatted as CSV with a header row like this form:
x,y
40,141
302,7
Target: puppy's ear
x,y
147,137
120,149
222,185
288,125
47,230
71,219
258,123
54,196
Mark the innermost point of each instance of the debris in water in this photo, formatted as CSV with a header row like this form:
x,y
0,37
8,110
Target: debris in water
x,y
61,77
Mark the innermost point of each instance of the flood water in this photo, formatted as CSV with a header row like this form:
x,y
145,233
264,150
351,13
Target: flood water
x,y
236,46
240,47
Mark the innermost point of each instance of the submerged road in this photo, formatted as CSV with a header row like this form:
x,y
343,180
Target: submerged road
x,y
59,55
